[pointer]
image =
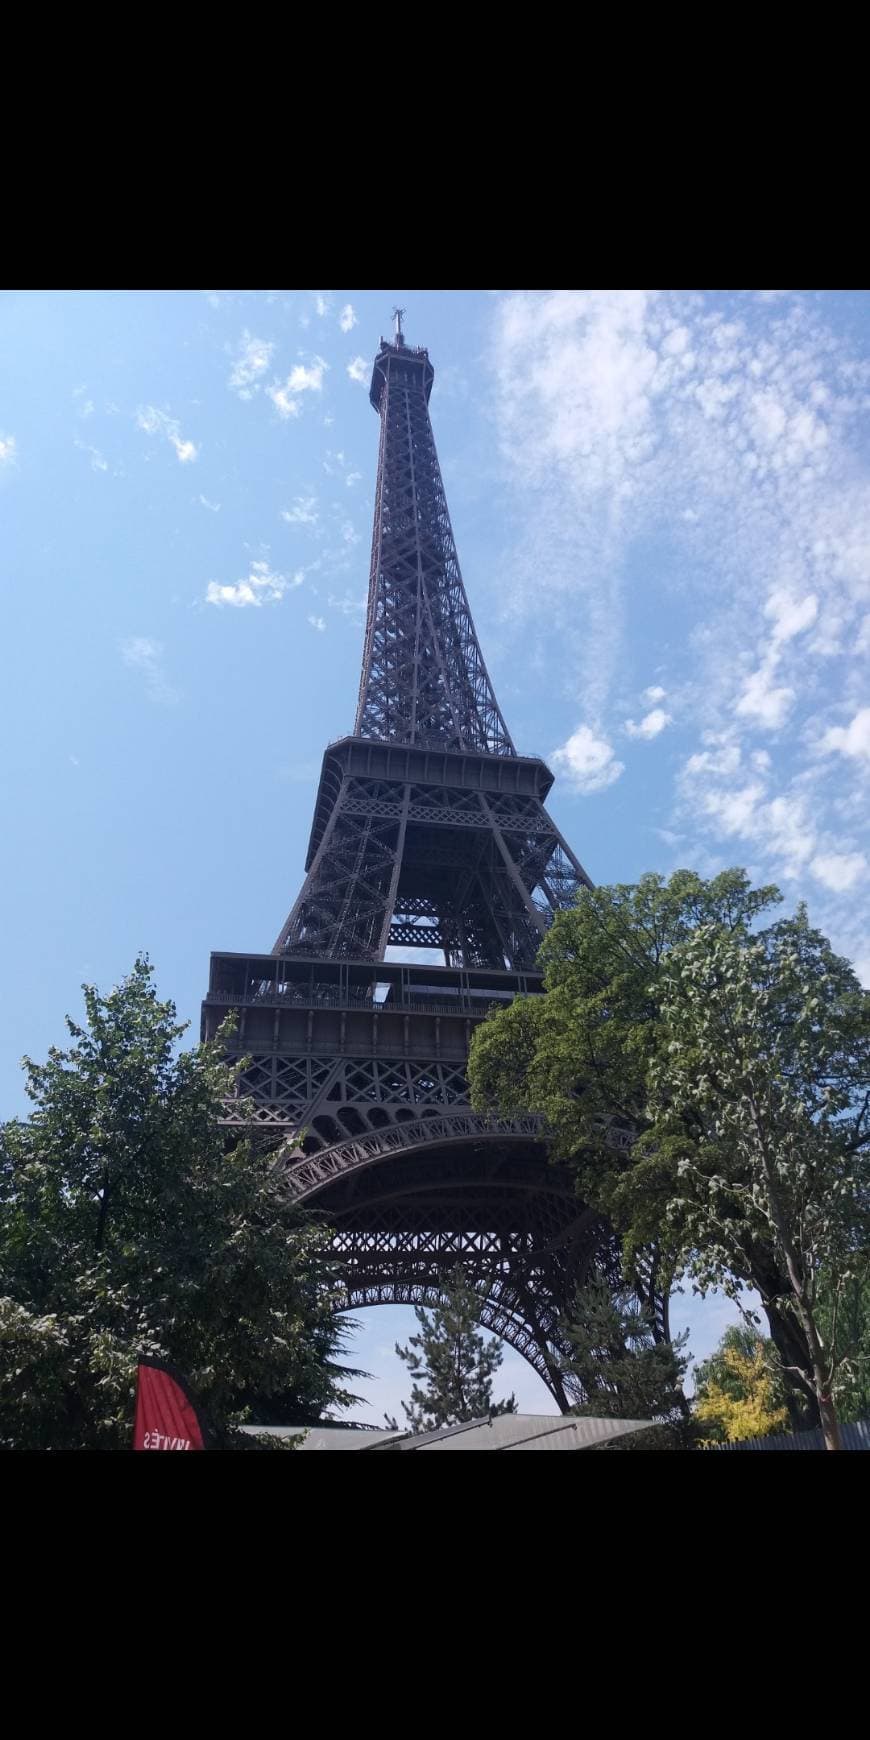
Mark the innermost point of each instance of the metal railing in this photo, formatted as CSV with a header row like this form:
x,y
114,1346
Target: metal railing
x,y
313,997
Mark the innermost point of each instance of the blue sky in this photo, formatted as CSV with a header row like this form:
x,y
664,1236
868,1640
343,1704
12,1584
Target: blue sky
x,y
662,508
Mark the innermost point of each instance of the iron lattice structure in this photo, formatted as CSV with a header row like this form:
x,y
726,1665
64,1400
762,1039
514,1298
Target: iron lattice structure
x,y
429,834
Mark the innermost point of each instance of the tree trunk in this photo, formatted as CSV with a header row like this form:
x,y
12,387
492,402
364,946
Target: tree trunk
x,y
830,1423
790,1344
795,1271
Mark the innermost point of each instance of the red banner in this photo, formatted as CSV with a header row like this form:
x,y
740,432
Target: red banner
x,y
166,1418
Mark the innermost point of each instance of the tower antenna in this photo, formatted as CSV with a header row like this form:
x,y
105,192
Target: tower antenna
x,y
397,316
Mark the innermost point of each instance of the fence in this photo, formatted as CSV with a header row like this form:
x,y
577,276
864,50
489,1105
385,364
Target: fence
x,y
854,1437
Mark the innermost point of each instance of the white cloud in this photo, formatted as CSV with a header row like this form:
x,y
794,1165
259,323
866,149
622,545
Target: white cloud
x,y
260,586
790,616
347,320
615,408
321,305
301,379
735,811
715,788
307,380
650,726
353,478
318,622
146,657
252,359
284,404
155,422
303,512
723,760
588,761
348,534
213,506
8,449
839,870
654,694
358,370
852,740
762,699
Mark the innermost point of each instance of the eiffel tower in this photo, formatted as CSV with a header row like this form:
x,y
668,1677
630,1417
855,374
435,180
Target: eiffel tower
x,y
430,835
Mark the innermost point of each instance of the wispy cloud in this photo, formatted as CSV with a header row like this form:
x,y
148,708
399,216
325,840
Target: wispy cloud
x,y
146,656
358,370
762,699
214,507
727,436
261,585
286,395
347,319
98,462
304,511
839,870
351,604
85,406
251,359
318,622
788,828
321,304
8,450
587,761
155,422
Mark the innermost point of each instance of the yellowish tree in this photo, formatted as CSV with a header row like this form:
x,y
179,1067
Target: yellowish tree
x,y
736,1390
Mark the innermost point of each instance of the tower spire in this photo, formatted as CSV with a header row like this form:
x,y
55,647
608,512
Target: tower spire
x,y
424,680
397,318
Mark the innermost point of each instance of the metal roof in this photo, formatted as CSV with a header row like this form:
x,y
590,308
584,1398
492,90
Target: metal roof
x,y
504,1432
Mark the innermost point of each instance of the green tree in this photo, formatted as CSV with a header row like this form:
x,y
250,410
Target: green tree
x,y
846,1308
739,1390
625,1372
128,1226
451,1363
759,1093
609,1058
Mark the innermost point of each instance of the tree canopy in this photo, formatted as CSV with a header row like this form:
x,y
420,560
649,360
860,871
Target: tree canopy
x,y
740,1390
708,1080
625,1372
129,1225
